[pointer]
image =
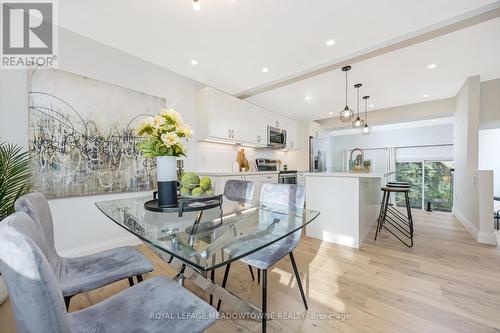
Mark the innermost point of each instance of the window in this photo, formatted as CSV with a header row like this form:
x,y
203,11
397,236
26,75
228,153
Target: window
x,y
410,172
431,181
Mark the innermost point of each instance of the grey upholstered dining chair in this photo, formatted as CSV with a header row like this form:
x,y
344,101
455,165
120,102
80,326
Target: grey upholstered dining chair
x,y
280,198
239,192
38,305
80,274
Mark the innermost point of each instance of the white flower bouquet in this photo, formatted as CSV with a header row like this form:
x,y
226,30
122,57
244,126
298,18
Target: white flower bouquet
x,y
163,134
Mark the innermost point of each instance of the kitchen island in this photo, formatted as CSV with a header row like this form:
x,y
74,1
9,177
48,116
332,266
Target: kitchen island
x,y
349,204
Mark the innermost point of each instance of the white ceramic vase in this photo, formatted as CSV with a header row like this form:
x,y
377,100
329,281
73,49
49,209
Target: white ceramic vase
x,y
166,177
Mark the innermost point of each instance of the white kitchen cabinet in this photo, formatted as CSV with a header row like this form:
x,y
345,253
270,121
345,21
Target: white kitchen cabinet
x,y
222,117
258,180
301,178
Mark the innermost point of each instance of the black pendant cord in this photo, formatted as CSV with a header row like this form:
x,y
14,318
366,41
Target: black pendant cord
x,y
366,111
358,102
346,88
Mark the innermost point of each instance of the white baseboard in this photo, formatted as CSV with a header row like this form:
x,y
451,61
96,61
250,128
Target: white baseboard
x,y
101,246
487,238
480,237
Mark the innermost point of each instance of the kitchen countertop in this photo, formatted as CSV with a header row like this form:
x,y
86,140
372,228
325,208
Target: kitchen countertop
x,y
229,173
347,174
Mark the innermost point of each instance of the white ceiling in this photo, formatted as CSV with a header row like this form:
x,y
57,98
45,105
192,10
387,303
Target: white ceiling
x,y
233,39
397,78
390,127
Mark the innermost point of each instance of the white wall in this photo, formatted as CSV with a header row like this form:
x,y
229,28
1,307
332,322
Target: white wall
x,y
490,104
430,135
466,145
489,156
471,186
79,226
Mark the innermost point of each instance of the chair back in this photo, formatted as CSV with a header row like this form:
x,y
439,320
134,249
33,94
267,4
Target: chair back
x,y
34,291
287,197
240,191
37,207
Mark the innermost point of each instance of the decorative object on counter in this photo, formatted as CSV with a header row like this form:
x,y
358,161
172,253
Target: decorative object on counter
x,y
285,167
356,163
358,122
366,130
15,181
347,114
163,135
242,160
367,166
192,186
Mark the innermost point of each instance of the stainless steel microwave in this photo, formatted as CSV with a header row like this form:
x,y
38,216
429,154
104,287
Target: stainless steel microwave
x,y
276,137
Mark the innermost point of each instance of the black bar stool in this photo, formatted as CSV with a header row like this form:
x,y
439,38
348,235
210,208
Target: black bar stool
x,y
393,220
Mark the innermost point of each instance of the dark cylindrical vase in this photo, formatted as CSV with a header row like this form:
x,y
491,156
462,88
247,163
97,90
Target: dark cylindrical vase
x,y
166,176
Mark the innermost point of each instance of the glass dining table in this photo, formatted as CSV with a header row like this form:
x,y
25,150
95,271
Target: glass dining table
x,y
198,242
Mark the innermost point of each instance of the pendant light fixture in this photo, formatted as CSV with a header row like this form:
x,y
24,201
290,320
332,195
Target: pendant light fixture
x,y
366,130
347,114
358,123
196,5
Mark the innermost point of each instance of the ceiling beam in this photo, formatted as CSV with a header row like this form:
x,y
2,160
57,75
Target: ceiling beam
x,y
456,23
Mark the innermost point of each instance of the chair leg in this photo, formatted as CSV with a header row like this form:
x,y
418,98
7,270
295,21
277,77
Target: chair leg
x,y
299,282
139,278
67,299
130,281
379,222
258,275
264,300
224,281
251,272
212,277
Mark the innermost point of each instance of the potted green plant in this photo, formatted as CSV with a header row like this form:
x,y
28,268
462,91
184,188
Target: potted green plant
x,y
15,181
163,135
367,166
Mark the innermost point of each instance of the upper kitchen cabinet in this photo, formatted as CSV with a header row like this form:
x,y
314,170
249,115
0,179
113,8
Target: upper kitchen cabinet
x,y
222,117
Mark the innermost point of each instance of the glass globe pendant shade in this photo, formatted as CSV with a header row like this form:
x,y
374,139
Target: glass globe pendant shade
x,y
366,130
358,123
346,115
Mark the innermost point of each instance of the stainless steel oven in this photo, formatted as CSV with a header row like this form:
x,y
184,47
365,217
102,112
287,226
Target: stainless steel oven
x,y
287,177
276,137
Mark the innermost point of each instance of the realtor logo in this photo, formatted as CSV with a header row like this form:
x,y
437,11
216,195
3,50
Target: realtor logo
x,y
28,34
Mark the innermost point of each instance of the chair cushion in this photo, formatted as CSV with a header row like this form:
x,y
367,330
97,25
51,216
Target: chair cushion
x,y
81,274
271,254
158,304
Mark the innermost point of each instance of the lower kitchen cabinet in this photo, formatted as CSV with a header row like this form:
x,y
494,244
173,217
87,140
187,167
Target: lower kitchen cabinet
x,y
258,181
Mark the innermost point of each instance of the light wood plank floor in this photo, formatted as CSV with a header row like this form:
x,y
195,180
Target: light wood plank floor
x,y
446,283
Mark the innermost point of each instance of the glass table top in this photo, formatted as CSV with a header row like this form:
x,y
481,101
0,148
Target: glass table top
x,y
210,238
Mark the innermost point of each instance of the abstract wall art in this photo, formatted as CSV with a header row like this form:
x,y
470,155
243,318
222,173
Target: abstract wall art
x,y
81,136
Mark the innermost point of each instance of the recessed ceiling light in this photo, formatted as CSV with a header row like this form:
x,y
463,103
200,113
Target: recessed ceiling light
x,y
307,98
425,95
330,113
434,120
265,70
194,62
431,66
371,105
330,42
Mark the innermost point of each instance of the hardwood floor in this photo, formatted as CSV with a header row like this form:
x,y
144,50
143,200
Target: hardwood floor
x,y
446,283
